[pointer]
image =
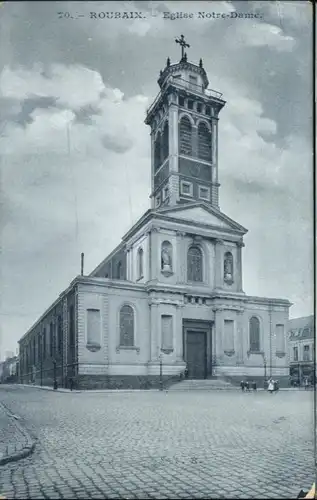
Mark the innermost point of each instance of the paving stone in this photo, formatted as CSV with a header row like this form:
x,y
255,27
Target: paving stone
x,y
144,445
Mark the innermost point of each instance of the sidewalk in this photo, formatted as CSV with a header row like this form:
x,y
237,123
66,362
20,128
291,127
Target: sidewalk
x,y
15,441
77,391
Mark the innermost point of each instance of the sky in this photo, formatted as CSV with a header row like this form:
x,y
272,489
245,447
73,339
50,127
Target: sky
x,y
75,152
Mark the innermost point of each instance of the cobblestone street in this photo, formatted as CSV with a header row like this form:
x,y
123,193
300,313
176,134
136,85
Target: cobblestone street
x,y
161,445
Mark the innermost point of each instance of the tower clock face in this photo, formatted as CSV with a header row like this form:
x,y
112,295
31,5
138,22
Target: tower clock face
x,y
195,170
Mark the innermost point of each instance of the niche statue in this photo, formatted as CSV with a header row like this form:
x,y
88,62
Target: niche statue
x,y
166,260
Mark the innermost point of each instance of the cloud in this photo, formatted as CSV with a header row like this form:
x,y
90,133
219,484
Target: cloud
x,y
116,144
263,34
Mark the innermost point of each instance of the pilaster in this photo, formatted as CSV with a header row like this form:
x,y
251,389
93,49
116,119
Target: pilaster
x,y
154,318
179,333
218,335
240,245
218,263
181,257
239,338
65,338
173,138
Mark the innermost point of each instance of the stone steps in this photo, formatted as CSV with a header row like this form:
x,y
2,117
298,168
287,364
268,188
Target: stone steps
x,y
203,385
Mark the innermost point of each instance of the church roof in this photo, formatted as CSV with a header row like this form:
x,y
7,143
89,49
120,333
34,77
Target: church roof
x,y
301,328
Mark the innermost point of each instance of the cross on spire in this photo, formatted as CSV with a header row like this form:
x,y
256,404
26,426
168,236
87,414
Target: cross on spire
x,y
183,44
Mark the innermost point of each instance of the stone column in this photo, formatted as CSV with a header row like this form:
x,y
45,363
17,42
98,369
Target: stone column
x,y
218,263
238,272
154,323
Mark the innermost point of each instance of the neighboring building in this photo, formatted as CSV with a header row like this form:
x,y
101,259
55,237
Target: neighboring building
x,y
301,349
8,370
171,292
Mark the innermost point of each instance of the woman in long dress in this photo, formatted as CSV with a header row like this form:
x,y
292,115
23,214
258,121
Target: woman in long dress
x,y
271,386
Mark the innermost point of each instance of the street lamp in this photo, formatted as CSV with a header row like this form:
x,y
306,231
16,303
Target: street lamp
x,y
264,364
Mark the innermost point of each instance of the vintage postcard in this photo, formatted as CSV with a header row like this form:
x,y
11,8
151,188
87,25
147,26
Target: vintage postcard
x,y
157,314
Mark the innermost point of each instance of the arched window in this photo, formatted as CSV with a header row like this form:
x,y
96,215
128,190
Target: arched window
x,y
165,142
140,263
194,264
254,331
228,267
157,152
185,136
126,326
204,142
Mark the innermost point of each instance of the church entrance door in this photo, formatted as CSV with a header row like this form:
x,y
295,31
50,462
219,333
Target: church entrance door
x,y
196,354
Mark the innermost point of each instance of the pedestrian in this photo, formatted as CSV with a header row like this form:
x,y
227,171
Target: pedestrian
x,y
306,383
71,383
242,385
247,386
271,386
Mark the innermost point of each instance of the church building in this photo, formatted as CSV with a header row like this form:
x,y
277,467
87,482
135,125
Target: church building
x,y
170,296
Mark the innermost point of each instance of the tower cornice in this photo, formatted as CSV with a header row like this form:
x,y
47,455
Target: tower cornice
x,y
181,66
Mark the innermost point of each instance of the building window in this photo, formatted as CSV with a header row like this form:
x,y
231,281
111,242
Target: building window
x,y
140,263
165,142
51,339
157,152
34,351
194,264
186,188
167,333
157,201
295,353
39,354
126,326
204,142
71,327
199,107
254,332
59,334
44,343
181,101
93,327
208,111
204,193
280,340
185,136
190,105
165,193
119,270
228,268
306,354
228,335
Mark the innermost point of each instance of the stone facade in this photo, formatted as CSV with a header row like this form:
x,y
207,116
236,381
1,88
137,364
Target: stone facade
x,y
170,296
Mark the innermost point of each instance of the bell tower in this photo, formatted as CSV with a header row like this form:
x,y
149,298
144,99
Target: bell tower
x,y
184,135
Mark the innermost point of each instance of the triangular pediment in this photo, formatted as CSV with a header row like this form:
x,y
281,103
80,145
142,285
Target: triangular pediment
x,y
200,213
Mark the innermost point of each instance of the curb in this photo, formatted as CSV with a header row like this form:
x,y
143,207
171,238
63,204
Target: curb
x,y
77,391
26,450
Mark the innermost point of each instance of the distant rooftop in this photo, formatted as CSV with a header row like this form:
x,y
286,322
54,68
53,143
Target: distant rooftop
x,y
301,328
